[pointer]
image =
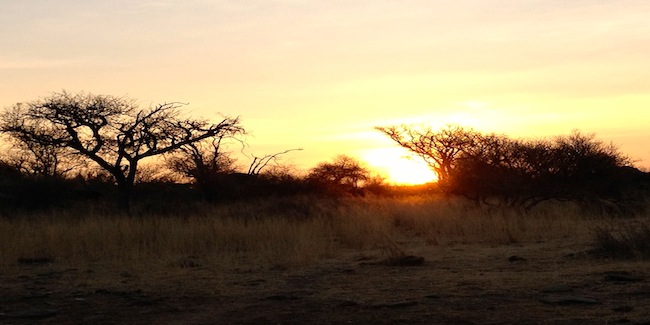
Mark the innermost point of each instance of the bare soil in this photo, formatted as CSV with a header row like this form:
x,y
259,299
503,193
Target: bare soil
x,y
540,283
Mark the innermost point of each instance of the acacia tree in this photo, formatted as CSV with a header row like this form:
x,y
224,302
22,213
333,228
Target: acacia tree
x,y
439,149
343,173
109,131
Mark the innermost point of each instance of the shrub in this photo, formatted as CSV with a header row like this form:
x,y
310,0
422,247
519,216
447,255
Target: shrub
x,y
625,241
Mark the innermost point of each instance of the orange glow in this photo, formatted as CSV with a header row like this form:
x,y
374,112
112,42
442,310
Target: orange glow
x,y
312,74
399,168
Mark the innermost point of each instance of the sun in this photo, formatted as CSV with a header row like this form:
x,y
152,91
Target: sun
x,y
410,172
398,166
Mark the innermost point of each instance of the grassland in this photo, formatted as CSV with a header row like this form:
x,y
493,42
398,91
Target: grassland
x,y
324,257
269,233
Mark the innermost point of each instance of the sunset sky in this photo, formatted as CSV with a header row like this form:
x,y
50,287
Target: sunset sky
x,y
319,75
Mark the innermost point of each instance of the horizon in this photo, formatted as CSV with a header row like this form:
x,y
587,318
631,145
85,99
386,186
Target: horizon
x,y
321,75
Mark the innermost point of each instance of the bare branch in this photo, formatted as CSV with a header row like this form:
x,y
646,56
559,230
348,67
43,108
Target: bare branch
x,y
260,163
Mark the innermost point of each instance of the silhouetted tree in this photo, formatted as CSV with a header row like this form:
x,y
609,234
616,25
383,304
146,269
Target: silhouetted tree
x,y
214,173
343,174
574,167
439,149
110,131
33,158
204,162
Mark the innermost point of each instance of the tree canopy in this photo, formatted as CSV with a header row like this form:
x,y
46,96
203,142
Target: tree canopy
x,y
575,167
439,149
112,132
344,174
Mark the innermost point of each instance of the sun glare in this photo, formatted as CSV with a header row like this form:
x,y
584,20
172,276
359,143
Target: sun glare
x,y
398,167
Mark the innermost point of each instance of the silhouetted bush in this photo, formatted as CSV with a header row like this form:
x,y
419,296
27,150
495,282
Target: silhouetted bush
x,y
343,176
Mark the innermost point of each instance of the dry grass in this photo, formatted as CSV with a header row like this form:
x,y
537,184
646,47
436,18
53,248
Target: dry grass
x,y
294,260
628,239
277,232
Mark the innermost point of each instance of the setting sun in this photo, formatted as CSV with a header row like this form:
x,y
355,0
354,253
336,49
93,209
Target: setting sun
x,y
307,74
313,161
398,167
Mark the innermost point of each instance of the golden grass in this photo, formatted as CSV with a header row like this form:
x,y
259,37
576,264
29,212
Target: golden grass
x,y
277,232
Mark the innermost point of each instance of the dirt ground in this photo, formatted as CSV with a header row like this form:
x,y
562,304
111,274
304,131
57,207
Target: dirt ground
x,y
542,283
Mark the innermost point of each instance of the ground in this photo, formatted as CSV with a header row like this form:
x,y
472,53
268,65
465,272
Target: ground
x,y
538,283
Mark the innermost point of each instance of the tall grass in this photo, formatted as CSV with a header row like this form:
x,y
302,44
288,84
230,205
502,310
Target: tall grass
x,y
274,232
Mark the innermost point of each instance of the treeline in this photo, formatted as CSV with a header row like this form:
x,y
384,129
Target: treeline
x,y
496,169
89,150
72,147
168,188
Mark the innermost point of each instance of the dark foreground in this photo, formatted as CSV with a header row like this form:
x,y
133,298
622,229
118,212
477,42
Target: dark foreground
x,y
546,283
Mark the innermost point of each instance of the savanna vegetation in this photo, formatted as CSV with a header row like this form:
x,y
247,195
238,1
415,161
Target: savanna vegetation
x,y
93,183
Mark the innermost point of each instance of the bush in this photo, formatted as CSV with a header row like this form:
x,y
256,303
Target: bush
x,y
624,241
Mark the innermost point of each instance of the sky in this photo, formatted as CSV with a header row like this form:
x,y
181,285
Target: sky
x,y
320,75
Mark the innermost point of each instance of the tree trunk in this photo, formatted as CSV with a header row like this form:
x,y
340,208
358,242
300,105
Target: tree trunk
x,y
124,191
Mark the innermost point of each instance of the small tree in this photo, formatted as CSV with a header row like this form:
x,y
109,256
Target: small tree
x,y
203,162
110,131
344,173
